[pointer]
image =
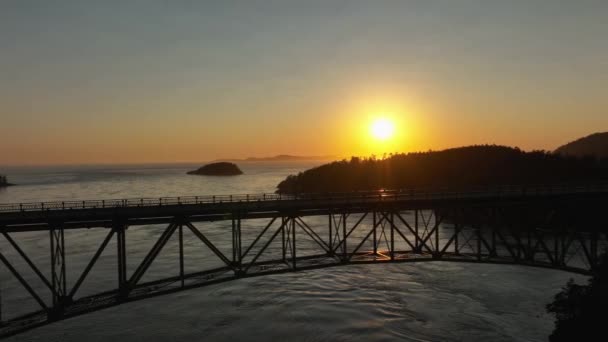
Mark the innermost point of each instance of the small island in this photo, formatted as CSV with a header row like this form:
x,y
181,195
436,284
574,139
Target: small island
x,y
217,169
4,182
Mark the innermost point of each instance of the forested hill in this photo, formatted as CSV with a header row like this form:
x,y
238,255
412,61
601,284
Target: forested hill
x,y
456,168
595,145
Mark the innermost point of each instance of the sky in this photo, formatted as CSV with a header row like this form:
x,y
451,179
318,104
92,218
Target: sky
x,y
179,81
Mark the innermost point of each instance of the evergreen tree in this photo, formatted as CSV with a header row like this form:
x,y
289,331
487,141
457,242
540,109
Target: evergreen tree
x,y
580,310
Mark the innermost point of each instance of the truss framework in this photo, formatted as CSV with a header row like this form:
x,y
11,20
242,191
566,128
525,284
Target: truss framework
x,y
379,234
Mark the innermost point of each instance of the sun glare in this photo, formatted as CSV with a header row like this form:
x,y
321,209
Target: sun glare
x,y
382,129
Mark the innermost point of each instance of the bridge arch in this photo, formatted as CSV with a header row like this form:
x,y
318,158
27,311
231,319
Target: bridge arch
x,y
254,236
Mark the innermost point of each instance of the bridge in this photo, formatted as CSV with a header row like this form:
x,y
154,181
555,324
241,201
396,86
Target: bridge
x,y
559,227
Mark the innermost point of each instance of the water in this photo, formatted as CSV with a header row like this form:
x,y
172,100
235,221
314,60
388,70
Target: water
x,y
97,182
437,301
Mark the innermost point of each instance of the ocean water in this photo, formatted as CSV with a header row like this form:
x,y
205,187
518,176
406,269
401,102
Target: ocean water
x,y
433,301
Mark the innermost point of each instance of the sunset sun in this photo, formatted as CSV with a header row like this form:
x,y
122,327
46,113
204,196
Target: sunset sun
x,y
153,147
382,129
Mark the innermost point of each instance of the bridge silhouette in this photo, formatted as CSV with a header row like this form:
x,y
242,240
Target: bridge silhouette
x,y
555,227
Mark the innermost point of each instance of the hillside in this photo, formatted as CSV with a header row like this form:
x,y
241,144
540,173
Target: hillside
x,y
593,145
464,167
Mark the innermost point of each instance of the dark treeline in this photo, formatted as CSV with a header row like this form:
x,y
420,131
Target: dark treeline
x,y
456,168
580,310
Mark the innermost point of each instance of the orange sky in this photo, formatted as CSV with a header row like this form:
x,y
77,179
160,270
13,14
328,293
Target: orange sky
x,y
126,84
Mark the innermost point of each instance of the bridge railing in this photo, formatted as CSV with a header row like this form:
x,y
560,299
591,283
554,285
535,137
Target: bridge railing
x,y
382,195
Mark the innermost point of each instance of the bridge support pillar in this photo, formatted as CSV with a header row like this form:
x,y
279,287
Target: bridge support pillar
x,y
331,237
293,243
456,243
417,239
284,239
58,272
237,246
392,236
181,254
375,239
435,232
345,258
121,253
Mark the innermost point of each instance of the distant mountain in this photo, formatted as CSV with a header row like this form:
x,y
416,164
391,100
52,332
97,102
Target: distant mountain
x,y
281,157
592,145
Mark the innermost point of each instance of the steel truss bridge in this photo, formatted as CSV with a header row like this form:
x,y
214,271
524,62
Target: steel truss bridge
x,y
555,227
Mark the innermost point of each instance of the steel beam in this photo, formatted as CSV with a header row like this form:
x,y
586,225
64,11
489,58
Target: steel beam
x,y
90,265
209,244
28,261
145,264
58,272
121,253
23,282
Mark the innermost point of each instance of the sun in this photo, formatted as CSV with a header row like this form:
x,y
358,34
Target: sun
x,y
382,129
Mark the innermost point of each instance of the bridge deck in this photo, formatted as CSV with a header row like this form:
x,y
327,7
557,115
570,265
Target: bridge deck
x,y
544,226
101,213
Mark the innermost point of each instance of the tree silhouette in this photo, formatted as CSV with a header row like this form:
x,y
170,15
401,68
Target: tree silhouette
x,y
580,310
457,168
